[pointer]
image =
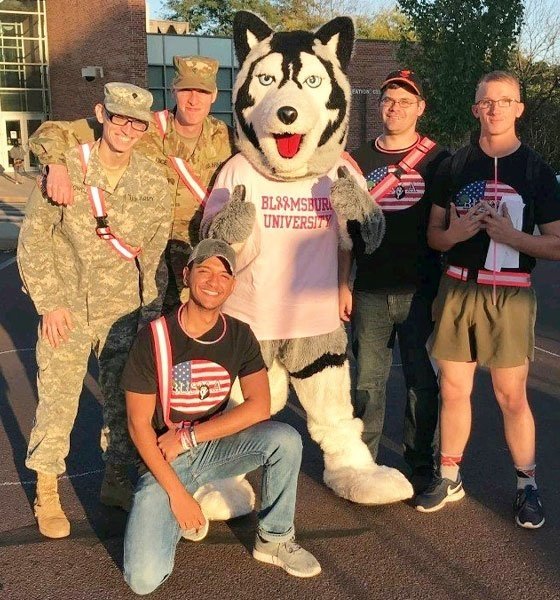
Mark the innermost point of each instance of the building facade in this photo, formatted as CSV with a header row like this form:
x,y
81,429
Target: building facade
x,y
24,87
56,55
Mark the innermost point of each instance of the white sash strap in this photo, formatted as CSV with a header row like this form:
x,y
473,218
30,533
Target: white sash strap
x,y
97,202
164,365
189,178
181,167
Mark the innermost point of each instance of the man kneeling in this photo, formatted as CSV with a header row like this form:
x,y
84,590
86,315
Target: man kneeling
x,y
177,381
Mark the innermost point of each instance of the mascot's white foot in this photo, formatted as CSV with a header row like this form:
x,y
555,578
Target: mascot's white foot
x,y
226,499
372,484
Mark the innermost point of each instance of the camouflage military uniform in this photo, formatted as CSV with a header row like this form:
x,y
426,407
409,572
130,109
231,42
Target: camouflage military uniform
x,y
64,264
213,147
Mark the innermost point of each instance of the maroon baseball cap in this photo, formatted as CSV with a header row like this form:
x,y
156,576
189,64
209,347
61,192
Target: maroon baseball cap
x,y
406,77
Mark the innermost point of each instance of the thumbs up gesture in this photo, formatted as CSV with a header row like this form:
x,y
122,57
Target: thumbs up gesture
x,y
235,221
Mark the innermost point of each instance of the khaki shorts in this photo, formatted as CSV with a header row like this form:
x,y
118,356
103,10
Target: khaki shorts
x,y
469,328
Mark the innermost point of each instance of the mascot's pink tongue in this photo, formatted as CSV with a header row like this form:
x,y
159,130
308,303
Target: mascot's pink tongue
x,y
288,144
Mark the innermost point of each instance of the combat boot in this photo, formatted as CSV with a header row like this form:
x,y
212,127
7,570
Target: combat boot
x,y
49,514
116,489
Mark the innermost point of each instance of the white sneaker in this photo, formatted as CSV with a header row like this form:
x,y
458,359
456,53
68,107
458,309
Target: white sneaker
x,y
288,555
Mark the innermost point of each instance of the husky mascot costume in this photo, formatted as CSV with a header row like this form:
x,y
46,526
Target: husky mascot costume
x,y
283,202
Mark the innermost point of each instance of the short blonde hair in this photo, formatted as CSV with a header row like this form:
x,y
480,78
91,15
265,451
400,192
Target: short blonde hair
x,y
498,76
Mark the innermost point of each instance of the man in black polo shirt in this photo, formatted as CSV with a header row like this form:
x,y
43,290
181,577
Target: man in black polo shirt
x,y
395,286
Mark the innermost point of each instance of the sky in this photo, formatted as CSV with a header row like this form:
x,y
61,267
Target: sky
x,y
155,8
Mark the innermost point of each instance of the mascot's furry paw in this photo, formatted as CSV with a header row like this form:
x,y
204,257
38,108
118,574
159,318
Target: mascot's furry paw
x,y
352,203
235,221
226,499
373,484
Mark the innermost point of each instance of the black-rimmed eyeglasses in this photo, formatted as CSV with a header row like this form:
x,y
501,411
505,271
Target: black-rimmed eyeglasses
x,y
121,121
487,104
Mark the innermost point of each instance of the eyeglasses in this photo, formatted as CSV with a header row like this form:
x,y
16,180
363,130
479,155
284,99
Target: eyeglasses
x,y
487,104
121,121
400,102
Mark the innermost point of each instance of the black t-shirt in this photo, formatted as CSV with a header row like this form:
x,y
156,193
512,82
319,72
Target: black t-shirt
x,y
475,182
403,262
201,372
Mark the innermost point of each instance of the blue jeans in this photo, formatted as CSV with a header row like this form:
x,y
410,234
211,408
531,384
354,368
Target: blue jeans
x,y
152,533
376,320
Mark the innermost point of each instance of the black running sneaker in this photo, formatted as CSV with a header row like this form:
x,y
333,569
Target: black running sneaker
x,y
529,512
439,492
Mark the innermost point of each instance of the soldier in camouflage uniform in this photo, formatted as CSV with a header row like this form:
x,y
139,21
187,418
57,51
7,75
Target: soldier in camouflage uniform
x,y
188,133
93,281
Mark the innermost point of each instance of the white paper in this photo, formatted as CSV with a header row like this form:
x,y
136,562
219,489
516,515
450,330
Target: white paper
x,y
506,256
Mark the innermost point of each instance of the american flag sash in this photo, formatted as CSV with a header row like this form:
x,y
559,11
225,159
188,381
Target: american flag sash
x,y
399,187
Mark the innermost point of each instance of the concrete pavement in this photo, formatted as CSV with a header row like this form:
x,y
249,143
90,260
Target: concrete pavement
x,y
469,551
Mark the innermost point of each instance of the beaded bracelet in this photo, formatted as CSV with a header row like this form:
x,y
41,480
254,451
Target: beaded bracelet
x,y
184,438
192,435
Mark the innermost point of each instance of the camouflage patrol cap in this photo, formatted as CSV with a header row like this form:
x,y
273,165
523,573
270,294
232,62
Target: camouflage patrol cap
x,y
195,73
128,100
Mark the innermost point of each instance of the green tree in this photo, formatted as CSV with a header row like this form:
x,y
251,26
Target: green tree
x,y
457,42
215,17
388,24
536,62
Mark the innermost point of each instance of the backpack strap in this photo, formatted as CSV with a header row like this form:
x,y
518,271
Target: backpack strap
x,y
531,176
164,365
458,162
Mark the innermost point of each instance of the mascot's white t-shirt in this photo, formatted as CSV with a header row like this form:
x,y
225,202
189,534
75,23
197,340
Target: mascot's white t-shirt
x,y
287,281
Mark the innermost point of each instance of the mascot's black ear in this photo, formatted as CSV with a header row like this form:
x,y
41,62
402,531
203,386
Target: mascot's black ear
x,y
248,30
339,35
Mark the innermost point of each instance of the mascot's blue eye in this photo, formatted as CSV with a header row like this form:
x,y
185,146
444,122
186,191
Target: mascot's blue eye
x,y
313,81
266,79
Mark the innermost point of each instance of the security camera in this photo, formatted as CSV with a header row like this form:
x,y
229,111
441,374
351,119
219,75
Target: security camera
x,y
92,73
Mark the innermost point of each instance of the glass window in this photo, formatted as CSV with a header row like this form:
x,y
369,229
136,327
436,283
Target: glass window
x,y
34,101
13,132
22,100
155,49
21,76
23,25
32,126
225,117
180,45
12,101
159,100
169,76
223,102
155,77
224,79
169,99
220,48
20,5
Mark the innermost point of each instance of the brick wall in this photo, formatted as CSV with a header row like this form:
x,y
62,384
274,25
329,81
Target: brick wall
x,y
109,34
371,62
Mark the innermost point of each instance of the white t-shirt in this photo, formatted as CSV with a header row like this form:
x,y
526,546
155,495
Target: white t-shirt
x,y
287,284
